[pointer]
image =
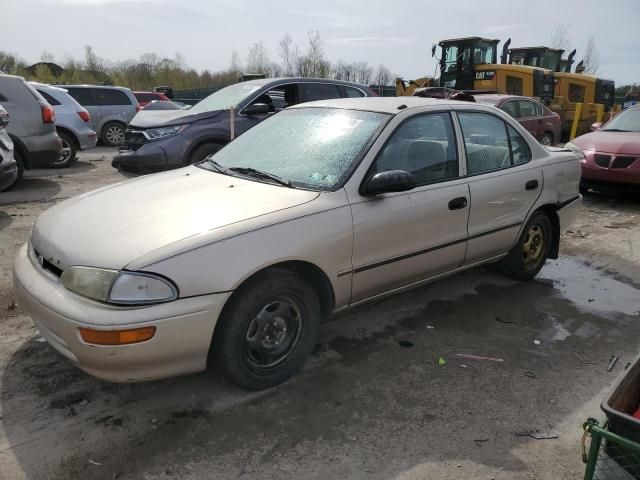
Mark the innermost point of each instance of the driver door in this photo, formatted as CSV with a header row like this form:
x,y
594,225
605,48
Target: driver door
x,y
404,237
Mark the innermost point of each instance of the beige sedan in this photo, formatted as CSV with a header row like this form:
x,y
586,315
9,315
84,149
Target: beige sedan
x,y
319,208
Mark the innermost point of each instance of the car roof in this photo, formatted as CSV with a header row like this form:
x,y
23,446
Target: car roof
x,y
391,105
94,86
46,86
266,81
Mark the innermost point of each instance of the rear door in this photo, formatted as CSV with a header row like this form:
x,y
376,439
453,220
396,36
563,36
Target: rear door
x,y
503,183
85,97
115,105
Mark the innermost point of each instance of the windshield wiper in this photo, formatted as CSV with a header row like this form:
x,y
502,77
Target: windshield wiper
x,y
613,130
252,172
217,166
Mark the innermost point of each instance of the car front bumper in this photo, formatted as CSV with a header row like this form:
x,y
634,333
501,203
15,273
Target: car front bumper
x,y
184,327
152,157
594,173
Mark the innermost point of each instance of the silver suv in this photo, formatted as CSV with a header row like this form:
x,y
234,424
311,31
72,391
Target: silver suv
x,y
72,122
111,109
32,127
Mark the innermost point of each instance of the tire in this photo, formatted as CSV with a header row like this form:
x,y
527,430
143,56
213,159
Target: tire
x,y
69,151
203,151
112,134
245,346
17,156
547,139
530,252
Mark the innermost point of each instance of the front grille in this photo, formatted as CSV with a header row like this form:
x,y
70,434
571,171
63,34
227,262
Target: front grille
x,y
47,265
602,160
133,139
623,162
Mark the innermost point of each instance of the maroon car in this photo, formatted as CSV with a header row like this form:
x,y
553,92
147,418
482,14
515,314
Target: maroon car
x,y
612,151
144,98
541,122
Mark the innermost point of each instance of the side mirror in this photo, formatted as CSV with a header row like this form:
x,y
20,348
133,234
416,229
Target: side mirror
x,y
433,50
256,109
596,126
4,118
389,182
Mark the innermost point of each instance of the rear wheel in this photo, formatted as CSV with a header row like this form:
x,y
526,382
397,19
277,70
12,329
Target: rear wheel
x,y
267,330
69,151
20,163
547,139
113,134
203,151
530,252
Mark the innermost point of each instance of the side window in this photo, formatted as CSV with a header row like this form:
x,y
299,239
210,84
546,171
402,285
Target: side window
x,y
514,85
425,146
539,111
318,91
576,93
520,151
83,96
107,96
486,142
52,101
510,108
527,109
353,92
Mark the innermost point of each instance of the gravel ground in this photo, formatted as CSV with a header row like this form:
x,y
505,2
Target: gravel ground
x,y
364,406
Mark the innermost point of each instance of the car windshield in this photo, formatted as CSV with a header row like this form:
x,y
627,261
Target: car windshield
x,y
311,148
626,121
227,97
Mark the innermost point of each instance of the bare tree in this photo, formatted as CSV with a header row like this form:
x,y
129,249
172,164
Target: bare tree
x,y
560,37
591,59
10,63
288,55
47,57
236,64
93,63
383,76
316,64
258,59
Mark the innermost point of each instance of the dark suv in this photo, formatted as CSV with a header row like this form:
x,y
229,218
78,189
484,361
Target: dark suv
x,y
161,140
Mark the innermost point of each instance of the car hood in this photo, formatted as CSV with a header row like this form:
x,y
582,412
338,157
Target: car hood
x,y
610,142
162,118
113,226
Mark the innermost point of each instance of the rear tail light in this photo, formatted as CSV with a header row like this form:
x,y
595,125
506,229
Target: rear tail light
x,y
48,114
84,115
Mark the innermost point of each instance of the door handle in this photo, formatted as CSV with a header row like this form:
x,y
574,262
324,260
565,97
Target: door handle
x,y
531,185
458,203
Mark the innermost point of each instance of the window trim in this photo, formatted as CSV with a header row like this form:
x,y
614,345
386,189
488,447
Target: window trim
x,y
505,122
367,176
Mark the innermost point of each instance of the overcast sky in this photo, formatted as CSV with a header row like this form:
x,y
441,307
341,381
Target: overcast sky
x,y
396,34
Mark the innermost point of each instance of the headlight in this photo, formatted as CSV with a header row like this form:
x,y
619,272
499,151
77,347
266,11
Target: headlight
x,y
112,286
575,149
163,132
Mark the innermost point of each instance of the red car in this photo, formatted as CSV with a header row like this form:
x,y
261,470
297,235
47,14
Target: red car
x,y
146,97
611,153
541,122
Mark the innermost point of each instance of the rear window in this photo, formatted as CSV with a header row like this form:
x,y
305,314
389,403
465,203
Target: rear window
x,y
147,97
83,96
52,101
107,96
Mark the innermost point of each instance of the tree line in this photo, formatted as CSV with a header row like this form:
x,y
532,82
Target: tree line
x,y
152,70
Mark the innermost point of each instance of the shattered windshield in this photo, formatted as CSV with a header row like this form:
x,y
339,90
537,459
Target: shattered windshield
x,y
311,148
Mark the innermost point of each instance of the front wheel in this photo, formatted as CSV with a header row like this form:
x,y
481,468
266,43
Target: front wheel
x,y
203,151
547,139
267,330
530,252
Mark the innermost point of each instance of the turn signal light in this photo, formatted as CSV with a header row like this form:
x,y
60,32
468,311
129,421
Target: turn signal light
x,y
117,337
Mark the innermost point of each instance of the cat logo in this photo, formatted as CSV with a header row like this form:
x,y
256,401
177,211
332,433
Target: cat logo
x,y
485,75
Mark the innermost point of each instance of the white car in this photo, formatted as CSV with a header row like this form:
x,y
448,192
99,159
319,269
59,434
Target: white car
x,y
319,208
